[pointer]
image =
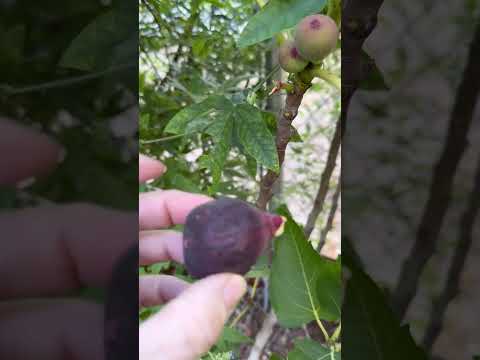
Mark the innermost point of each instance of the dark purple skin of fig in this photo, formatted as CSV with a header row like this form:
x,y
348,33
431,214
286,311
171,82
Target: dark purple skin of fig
x,y
226,235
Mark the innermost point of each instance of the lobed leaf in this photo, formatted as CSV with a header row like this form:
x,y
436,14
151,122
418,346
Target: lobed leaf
x,y
256,139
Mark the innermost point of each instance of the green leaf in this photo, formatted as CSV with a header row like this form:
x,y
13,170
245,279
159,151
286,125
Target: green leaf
x,y
302,283
157,268
231,337
271,122
230,340
370,328
251,166
224,355
307,349
277,16
217,3
275,357
145,313
295,136
181,182
198,117
221,132
254,136
99,44
200,48
260,269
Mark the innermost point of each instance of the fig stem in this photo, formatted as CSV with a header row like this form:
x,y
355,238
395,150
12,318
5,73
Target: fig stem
x,y
336,333
164,139
264,80
322,328
330,78
331,7
239,316
248,306
254,288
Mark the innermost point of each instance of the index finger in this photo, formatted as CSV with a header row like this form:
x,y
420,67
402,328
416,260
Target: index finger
x,y
25,152
149,168
165,208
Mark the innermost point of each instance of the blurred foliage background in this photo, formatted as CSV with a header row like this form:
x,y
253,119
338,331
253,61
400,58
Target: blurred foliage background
x,y
69,69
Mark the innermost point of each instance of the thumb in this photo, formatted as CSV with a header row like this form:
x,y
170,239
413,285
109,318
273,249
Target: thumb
x,y
189,325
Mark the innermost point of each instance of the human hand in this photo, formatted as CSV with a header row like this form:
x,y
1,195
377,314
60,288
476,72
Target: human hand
x,y
49,251
194,315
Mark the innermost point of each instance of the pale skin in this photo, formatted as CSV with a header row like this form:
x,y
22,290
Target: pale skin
x,y
52,250
194,316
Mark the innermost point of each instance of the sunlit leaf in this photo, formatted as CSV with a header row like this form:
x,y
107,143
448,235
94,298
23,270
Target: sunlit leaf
x,y
303,285
277,16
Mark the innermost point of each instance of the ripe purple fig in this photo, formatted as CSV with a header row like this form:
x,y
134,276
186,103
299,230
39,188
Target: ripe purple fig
x,y
289,58
226,235
316,37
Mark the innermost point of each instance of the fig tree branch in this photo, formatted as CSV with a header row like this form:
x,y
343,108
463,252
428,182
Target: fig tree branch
x,y
10,90
442,182
324,180
331,216
457,266
262,336
330,78
288,114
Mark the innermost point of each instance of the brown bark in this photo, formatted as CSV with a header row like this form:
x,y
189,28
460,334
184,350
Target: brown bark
x,y
289,113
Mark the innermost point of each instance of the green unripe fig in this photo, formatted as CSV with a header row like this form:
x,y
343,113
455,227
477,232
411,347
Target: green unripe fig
x,y
227,235
316,37
289,58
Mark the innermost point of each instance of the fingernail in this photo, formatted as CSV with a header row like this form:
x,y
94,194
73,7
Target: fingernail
x,y
234,289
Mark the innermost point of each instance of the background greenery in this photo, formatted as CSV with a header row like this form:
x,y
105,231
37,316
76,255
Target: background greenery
x,y
206,71
69,69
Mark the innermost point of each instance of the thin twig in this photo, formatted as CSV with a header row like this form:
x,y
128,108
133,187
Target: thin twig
x,y
250,304
262,336
452,288
240,316
442,183
164,139
10,90
331,216
324,181
289,113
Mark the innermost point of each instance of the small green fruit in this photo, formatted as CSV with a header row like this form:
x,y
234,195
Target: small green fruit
x,y
289,58
316,37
